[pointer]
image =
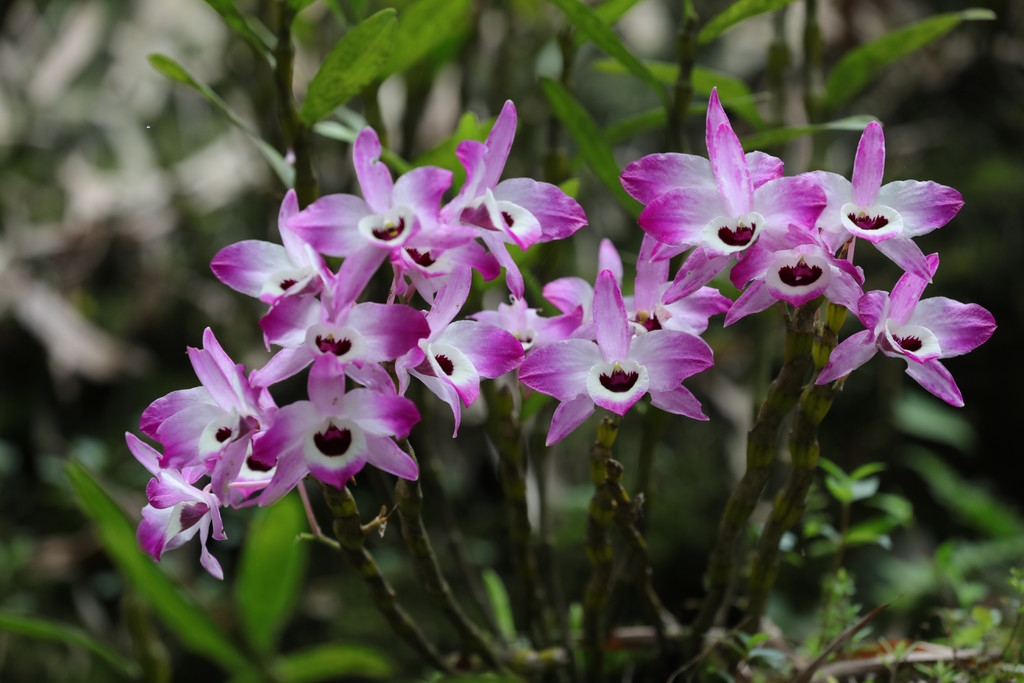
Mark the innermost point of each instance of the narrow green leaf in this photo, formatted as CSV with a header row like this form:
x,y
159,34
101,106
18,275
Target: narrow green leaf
x,y
780,136
971,503
627,128
734,14
863,63
609,12
423,26
176,72
43,629
299,5
330,662
733,92
270,573
234,18
192,626
352,64
593,149
588,22
500,603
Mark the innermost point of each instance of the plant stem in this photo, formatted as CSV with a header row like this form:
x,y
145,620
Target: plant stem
x,y
296,134
504,430
410,506
762,442
791,501
686,53
349,532
605,473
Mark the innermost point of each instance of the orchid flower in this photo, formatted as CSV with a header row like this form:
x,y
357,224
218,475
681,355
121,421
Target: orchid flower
x,y
351,333
618,370
177,510
270,271
901,325
519,211
527,324
335,434
796,276
213,424
889,216
451,361
722,206
391,215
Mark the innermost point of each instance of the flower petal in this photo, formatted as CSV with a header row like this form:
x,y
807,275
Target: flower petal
x,y
924,206
850,354
613,331
868,165
374,176
678,401
568,416
934,377
560,369
958,327
655,174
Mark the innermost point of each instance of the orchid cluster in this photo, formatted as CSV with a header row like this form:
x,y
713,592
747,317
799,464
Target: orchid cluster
x,y
788,239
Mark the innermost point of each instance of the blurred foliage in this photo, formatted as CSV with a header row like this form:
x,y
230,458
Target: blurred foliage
x,y
118,185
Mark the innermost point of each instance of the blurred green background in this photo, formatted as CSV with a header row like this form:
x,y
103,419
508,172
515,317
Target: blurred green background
x,y
117,187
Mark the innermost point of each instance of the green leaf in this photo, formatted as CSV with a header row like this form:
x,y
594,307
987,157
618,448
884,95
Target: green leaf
x,y
587,21
733,92
609,12
422,27
271,570
176,72
593,149
500,603
254,32
863,63
193,627
734,14
922,416
325,663
970,502
353,63
43,629
780,136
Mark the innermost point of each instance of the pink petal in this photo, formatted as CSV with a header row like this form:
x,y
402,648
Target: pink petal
x,y
143,452
651,176
608,259
731,171
697,270
871,307
907,255
570,293
330,224
793,200
166,406
444,391
934,377
374,176
245,266
284,364
754,299
449,299
568,416
560,369
852,352
678,401
763,167
907,292
958,327
490,349
422,189
613,330
670,357
389,329
384,454
678,217
924,206
869,165
499,144
380,414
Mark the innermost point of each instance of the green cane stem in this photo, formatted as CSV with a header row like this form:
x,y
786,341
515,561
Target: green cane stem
x,y
686,55
348,530
762,443
296,133
410,507
791,501
606,473
505,433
